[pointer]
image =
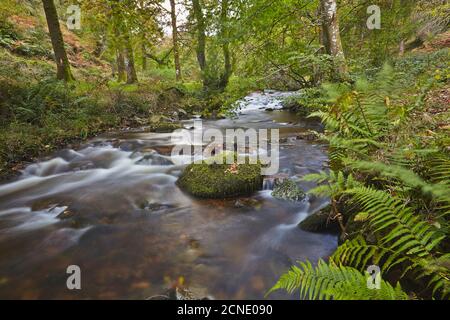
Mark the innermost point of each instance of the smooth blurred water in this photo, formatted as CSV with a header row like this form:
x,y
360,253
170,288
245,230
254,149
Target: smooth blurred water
x,y
112,208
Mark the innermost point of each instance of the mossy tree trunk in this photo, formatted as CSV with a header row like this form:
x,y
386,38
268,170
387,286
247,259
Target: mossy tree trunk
x,y
129,60
144,55
201,37
176,53
225,44
143,42
120,66
332,37
63,71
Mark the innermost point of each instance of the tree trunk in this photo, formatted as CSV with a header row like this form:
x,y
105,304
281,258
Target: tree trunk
x,y
62,63
100,46
225,46
176,54
144,41
332,36
401,48
144,56
318,73
201,37
129,61
120,66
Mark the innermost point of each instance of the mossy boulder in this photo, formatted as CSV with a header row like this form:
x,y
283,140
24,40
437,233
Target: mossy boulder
x,y
320,222
288,190
163,124
211,180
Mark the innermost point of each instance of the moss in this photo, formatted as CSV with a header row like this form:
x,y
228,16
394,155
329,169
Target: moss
x,y
288,190
221,180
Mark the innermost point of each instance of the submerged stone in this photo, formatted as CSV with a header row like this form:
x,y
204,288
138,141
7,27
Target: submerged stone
x,y
288,190
164,127
221,180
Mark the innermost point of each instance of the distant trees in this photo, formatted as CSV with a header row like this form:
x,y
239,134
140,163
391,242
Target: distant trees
x,y
63,71
123,42
289,44
128,27
213,76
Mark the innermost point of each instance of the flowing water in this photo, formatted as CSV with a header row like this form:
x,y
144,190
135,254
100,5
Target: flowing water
x,y
112,207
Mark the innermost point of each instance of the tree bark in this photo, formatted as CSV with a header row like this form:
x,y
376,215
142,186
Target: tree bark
x,y
63,71
176,53
144,55
100,46
144,41
120,66
129,60
225,46
401,48
332,36
201,36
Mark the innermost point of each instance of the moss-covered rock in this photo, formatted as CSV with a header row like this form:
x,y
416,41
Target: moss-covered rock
x,y
221,180
288,190
164,127
320,222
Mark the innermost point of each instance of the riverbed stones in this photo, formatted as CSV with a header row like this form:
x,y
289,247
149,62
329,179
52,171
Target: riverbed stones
x,y
288,190
154,159
309,135
248,204
164,127
179,293
213,181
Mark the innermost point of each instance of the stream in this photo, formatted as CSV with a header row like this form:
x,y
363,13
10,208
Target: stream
x,y
112,208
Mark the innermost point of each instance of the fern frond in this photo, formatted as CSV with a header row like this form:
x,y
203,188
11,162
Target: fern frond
x,y
439,169
405,176
358,254
400,228
336,183
328,281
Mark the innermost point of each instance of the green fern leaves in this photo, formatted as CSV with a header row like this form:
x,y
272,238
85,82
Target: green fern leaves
x,y
405,232
396,196
327,281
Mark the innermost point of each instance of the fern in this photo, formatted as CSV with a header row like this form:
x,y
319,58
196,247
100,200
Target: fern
x,y
439,169
405,176
328,281
407,233
357,253
404,235
407,219
336,183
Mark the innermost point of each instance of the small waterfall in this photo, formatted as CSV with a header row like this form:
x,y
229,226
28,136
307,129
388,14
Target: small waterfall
x,y
268,183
